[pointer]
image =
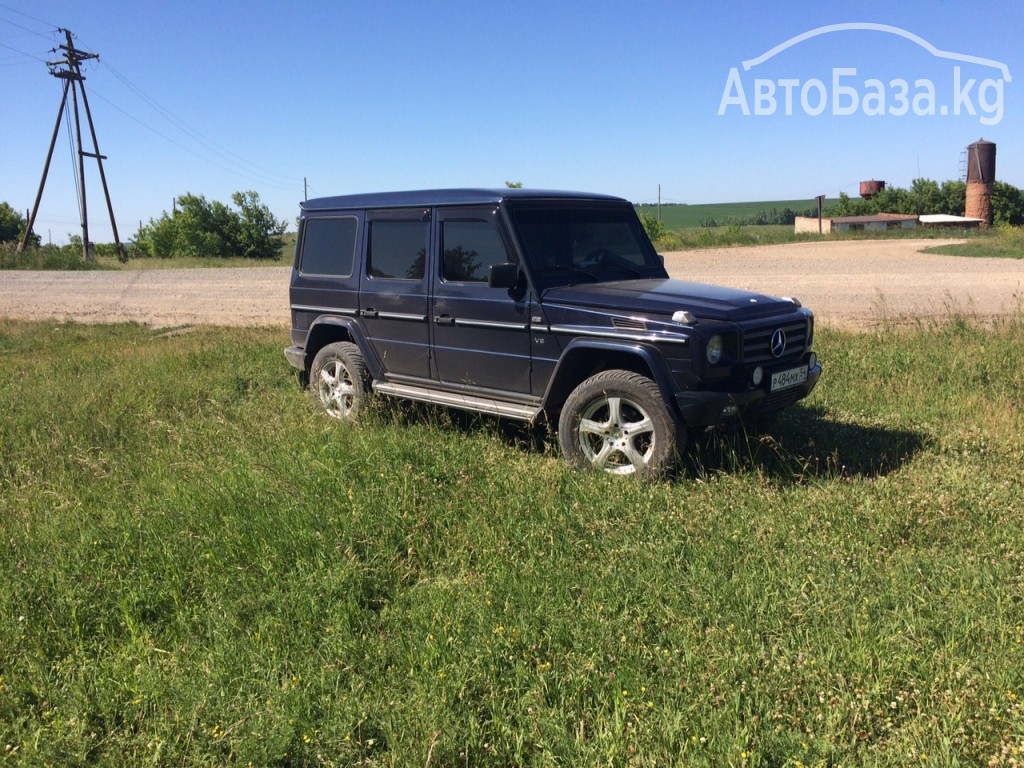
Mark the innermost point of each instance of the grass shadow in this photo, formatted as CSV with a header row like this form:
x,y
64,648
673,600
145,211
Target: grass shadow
x,y
805,444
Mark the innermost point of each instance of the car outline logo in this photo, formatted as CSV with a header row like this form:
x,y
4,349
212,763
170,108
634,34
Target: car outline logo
x,y
871,26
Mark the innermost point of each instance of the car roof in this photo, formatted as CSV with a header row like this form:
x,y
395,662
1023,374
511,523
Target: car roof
x,y
429,197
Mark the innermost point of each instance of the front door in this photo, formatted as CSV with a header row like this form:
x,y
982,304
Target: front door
x,y
480,334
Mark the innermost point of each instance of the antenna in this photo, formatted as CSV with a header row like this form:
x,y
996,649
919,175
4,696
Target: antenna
x,y
69,70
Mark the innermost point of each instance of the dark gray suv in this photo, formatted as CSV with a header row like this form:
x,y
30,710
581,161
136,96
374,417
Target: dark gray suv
x,y
532,304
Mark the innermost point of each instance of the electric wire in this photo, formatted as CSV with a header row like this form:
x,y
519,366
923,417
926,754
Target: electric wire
x,y
229,162
225,154
236,164
28,16
184,148
48,38
23,53
74,159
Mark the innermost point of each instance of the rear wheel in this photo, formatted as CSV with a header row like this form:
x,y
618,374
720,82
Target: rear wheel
x,y
617,422
339,381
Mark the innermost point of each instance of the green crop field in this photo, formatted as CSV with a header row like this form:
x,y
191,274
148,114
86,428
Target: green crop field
x,y
680,216
200,569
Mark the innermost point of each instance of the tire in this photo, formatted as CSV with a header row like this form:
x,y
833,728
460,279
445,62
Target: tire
x,y
339,381
617,422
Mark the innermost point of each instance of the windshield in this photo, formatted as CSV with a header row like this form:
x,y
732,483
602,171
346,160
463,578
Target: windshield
x,y
568,244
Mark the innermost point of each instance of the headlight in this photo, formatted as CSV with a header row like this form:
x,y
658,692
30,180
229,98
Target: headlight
x,y
714,349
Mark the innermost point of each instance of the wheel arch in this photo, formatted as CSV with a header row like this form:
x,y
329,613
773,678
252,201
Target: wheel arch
x,y
584,358
328,329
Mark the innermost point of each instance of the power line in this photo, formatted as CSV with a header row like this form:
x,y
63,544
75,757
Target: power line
x,y
29,16
48,38
212,146
23,53
181,146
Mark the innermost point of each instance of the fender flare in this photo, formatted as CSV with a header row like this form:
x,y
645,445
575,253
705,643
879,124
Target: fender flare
x,y
566,375
329,324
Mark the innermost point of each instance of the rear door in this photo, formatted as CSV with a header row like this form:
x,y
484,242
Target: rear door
x,y
480,334
394,304
324,278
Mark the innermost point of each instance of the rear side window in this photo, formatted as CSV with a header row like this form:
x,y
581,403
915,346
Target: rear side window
x,y
329,246
398,249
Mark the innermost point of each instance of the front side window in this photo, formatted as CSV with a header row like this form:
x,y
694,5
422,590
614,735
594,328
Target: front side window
x,y
471,248
329,246
398,249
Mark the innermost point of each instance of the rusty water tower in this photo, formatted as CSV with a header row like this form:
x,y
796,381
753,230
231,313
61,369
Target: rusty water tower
x,y
869,189
981,176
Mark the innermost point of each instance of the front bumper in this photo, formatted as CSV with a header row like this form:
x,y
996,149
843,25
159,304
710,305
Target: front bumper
x,y
706,409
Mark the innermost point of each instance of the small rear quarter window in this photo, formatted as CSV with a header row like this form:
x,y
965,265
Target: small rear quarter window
x,y
329,246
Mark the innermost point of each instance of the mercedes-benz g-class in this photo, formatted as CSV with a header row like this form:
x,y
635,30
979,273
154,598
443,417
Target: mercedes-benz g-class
x,y
528,305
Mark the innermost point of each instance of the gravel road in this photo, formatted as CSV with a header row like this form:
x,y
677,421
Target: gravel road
x,y
849,284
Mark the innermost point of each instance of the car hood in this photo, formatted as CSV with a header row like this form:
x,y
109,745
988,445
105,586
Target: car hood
x,y
660,296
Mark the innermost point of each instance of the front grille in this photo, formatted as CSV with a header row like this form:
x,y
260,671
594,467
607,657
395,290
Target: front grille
x,y
757,342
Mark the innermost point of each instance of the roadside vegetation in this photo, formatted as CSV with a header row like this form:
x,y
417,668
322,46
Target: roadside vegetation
x,y
736,235
686,227
1000,243
198,232
201,228
201,569
69,257
205,233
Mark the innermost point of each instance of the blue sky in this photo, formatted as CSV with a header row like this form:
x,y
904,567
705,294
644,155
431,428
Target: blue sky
x,y
213,98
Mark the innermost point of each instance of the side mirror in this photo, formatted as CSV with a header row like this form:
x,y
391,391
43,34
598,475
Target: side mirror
x,y
503,276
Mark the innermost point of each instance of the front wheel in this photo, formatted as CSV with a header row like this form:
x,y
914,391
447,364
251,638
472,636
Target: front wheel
x,y
339,381
617,422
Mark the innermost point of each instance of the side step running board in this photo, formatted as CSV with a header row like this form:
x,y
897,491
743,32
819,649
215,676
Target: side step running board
x,y
508,410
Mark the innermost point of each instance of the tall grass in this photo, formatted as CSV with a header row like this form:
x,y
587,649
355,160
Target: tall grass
x,y
200,569
69,257
771,234
64,258
1001,242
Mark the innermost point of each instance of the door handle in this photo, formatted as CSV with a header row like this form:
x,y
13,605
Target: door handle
x,y
369,312
444,319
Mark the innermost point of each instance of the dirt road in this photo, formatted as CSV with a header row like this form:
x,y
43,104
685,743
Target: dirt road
x,y
849,284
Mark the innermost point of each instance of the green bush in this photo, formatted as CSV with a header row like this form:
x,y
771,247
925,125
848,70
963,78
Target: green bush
x,y
201,228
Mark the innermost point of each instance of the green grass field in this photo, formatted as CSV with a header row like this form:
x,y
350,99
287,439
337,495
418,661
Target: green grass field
x,y
201,569
997,243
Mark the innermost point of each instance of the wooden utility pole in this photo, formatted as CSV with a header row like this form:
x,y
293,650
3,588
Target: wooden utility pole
x,y
69,70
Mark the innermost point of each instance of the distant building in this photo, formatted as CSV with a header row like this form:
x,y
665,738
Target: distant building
x,y
876,221
950,222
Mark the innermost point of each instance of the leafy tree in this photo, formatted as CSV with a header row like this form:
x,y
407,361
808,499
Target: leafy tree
x,y
652,225
12,225
1007,204
514,184
953,197
926,196
260,233
199,227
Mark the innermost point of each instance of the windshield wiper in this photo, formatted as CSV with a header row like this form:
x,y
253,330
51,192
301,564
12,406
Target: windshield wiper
x,y
563,268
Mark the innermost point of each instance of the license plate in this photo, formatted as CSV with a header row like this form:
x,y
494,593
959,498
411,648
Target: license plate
x,y
790,378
